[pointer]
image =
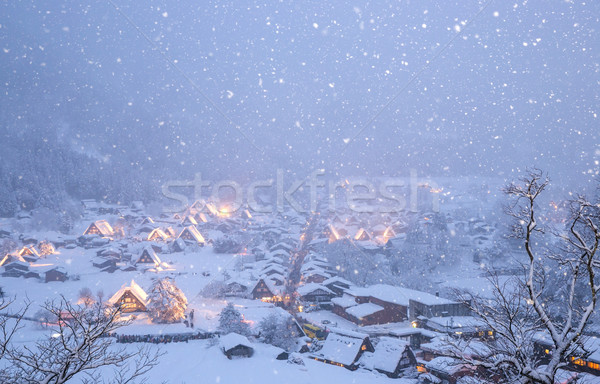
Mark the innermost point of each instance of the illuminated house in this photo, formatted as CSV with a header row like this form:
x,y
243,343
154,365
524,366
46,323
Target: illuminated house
x,y
246,214
362,235
265,290
189,220
29,253
331,233
201,217
147,220
392,356
344,348
157,234
131,298
315,293
148,256
101,228
191,234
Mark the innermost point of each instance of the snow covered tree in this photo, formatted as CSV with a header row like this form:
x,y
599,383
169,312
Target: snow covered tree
x,y
524,309
279,331
230,320
77,347
216,289
167,302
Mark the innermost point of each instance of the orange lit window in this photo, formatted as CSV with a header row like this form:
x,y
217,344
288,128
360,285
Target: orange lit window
x,y
592,365
578,361
547,351
490,333
421,369
363,348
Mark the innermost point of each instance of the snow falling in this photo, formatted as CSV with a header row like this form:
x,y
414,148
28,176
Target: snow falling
x,y
393,191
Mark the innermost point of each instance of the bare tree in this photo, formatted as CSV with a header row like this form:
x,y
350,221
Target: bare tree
x,y
10,323
79,345
520,313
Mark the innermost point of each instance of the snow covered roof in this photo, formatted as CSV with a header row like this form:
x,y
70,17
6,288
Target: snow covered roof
x,y
336,279
134,288
362,310
445,364
456,322
309,288
398,295
344,301
232,340
388,353
193,233
157,233
340,348
103,226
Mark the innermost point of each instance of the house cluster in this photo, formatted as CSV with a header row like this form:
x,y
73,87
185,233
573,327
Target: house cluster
x,y
374,229
30,261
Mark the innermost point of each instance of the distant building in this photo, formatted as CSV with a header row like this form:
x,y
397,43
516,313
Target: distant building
x,y
55,274
101,228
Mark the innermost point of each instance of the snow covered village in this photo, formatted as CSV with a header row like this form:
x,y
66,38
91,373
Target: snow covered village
x,y
389,192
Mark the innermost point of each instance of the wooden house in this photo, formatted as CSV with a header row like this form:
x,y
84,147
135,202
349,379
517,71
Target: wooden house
x,y
449,370
315,293
147,221
235,345
148,256
362,235
201,218
393,356
331,233
55,274
337,284
15,269
189,220
157,234
131,298
428,305
265,290
100,228
190,234
29,253
315,276
344,348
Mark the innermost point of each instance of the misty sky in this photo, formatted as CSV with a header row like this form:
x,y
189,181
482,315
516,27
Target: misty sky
x,y
519,86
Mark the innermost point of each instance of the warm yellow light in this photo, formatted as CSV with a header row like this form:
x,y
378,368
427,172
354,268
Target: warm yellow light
x,y
300,308
414,324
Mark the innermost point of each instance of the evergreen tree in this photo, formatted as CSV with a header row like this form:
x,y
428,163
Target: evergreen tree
x,y
167,302
230,320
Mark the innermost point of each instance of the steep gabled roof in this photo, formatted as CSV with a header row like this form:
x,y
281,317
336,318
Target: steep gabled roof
x,y
157,233
135,289
190,233
102,226
148,256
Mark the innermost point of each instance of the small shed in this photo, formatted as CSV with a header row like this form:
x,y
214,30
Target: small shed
x,y
236,345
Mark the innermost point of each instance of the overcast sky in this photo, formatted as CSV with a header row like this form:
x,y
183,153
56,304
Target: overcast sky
x,y
446,87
